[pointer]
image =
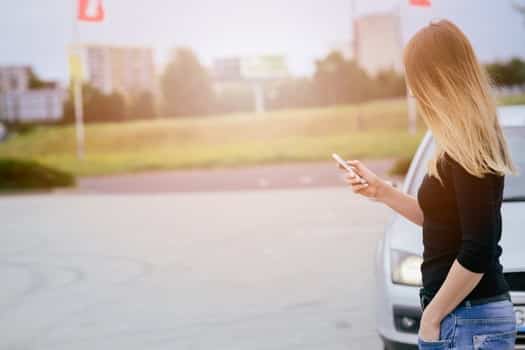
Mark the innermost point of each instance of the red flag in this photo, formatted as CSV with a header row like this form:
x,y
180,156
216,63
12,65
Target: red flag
x,y
90,10
424,3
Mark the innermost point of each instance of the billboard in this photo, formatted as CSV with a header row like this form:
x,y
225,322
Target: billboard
x,y
227,69
264,67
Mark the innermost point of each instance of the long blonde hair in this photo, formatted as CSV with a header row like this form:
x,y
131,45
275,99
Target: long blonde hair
x,y
454,97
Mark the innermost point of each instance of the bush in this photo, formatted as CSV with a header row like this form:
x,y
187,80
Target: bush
x,y
27,175
97,106
21,128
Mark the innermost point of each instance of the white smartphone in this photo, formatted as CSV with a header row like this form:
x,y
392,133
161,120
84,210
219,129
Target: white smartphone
x,y
345,165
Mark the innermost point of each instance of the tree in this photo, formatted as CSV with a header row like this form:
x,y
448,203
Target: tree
x,y
97,107
186,86
336,81
340,81
509,73
142,106
110,107
517,70
520,8
36,83
388,83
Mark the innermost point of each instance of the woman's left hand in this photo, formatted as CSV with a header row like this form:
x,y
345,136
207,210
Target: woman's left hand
x,y
427,330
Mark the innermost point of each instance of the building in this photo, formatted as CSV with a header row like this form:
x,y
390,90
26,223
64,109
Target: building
x,y
378,42
20,103
40,105
14,78
128,70
256,67
257,71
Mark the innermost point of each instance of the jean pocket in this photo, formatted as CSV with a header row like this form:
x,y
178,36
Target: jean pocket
x,y
446,334
495,341
432,344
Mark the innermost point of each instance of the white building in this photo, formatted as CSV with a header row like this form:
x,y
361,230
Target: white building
x,y
14,78
18,103
378,42
32,105
128,70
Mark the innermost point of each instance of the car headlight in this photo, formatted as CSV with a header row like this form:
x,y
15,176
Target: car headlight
x,y
406,267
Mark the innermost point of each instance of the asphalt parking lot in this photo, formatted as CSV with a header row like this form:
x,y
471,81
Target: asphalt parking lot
x,y
273,269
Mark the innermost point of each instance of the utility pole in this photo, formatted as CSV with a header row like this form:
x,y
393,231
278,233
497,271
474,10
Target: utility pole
x,y
353,37
258,93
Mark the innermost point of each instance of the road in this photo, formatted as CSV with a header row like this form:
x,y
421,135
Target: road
x,y
241,178
274,269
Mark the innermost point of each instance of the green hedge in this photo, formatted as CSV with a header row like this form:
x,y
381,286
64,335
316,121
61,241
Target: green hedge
x,y
28,175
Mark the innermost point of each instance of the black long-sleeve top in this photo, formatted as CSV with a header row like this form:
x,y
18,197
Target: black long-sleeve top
x,y
462,220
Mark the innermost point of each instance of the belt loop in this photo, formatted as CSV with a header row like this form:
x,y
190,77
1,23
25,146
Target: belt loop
x,y
467,303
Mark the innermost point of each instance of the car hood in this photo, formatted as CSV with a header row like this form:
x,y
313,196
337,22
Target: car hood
x,y
405,235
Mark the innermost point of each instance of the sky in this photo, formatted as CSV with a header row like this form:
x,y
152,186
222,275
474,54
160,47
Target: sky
x,y
37,32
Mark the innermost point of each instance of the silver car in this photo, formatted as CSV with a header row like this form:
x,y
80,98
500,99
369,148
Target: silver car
x,y
398,257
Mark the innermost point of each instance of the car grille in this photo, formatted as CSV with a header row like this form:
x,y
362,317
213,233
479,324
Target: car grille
x,y
520,341
515,280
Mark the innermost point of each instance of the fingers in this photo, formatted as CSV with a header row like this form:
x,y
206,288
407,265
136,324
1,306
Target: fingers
x,y
359,187
354,180
359,169
357,165
342,167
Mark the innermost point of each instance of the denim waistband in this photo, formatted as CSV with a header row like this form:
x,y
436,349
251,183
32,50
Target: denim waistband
x,y
426,297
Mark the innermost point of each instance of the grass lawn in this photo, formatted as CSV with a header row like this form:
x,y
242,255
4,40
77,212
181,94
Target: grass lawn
x,y
512,100
370,130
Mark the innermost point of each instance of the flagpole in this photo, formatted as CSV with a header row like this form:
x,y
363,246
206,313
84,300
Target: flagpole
x,y
77,90
353,38
411,106
355,49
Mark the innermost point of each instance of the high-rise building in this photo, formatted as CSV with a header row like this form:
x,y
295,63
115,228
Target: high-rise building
x,y
128,70
378,43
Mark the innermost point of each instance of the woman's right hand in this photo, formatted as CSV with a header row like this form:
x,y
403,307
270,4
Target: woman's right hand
x,y
374,186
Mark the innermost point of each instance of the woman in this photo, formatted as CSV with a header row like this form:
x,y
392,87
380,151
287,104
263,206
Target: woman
x,y
465,299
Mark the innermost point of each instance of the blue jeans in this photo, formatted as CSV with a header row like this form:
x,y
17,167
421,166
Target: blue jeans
x,y
485,326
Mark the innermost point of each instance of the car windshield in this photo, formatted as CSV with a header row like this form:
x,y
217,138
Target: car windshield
x,y
514,189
